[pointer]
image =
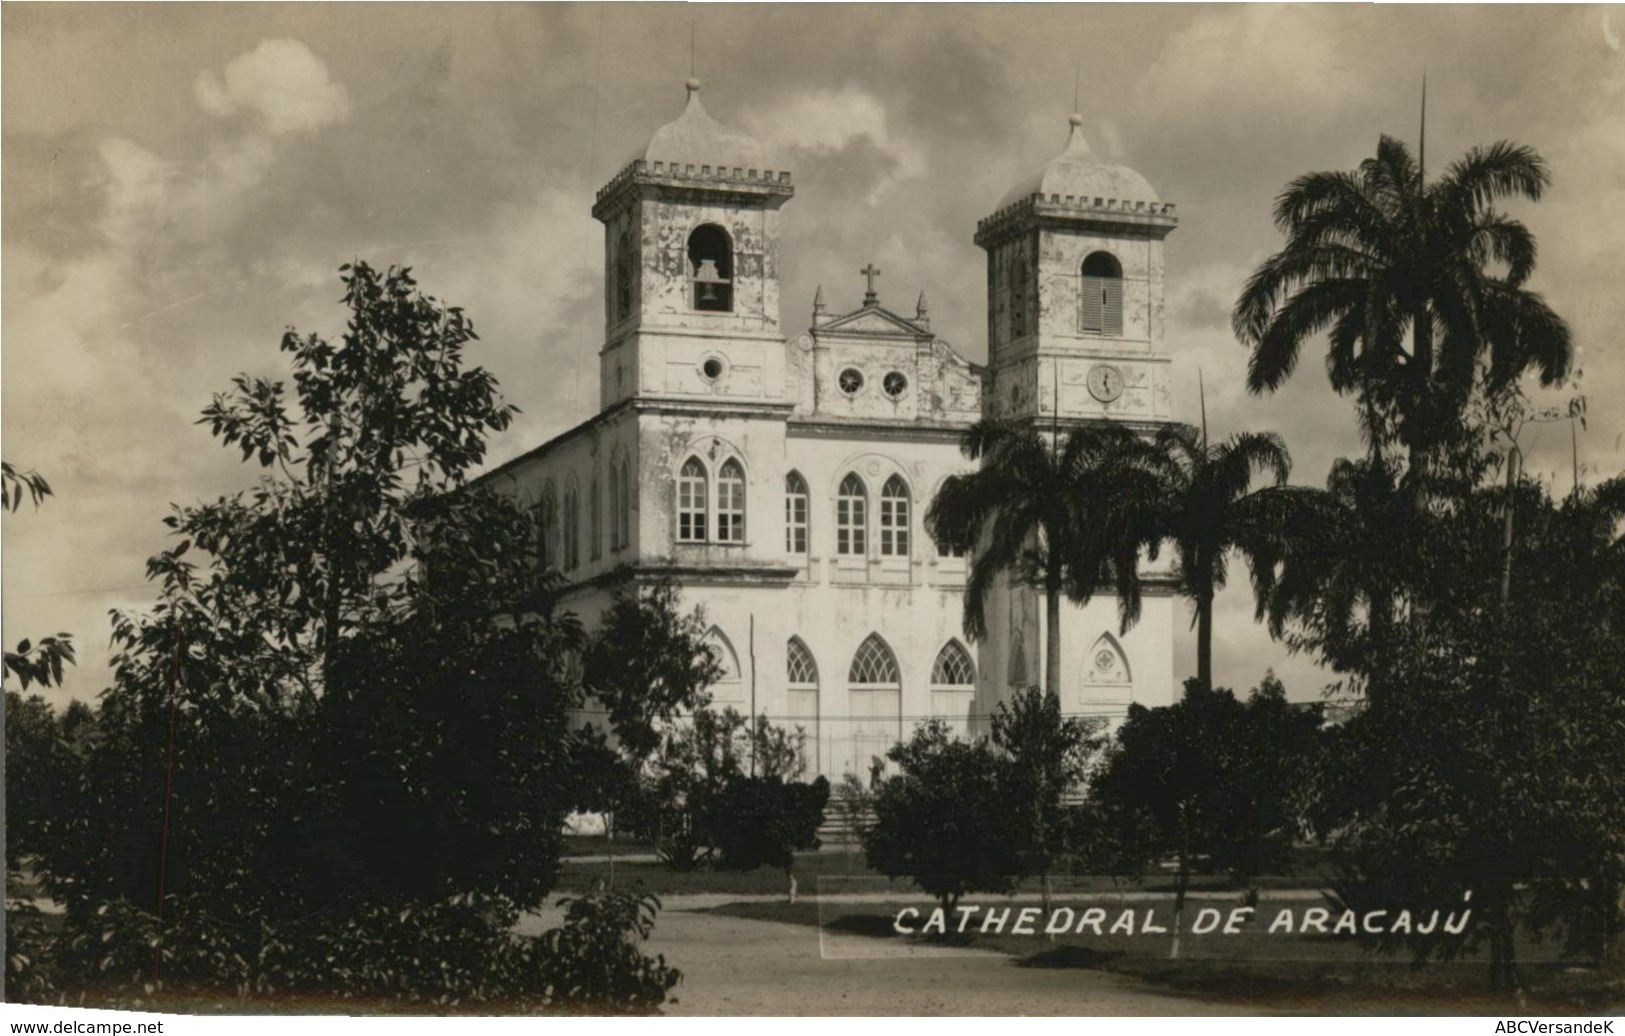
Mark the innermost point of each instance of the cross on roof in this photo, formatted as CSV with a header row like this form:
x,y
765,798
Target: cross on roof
x,y
869,296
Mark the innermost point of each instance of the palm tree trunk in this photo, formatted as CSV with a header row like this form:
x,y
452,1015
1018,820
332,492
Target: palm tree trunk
x,y
1052,645
1204,638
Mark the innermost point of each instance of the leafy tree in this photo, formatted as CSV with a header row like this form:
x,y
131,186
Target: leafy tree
x,y
762,821
32,663
1060,512
1210,781
945,819
647,663
1402,274
1049,755
42,763
14,484
334,756
1496,772
706,771
591,962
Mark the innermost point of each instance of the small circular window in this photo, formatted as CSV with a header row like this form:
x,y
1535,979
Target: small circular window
x,y
851,381
895,384
711,368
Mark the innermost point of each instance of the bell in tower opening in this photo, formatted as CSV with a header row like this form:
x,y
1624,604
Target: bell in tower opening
x,y
710,260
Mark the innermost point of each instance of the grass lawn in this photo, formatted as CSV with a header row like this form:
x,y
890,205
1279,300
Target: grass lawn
x,y
598,845
1319,973
810,868
662,881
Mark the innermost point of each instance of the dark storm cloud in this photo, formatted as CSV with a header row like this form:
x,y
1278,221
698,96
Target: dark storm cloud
x,y
183,181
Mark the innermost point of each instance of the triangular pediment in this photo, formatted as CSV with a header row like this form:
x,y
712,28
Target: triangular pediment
x,y
872,320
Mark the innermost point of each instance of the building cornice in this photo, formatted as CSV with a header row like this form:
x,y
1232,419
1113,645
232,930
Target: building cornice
x,y
646,572
688,182
914,431
1106,215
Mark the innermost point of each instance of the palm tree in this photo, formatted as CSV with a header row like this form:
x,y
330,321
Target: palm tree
x,y
1420,286
1210,509
1060,512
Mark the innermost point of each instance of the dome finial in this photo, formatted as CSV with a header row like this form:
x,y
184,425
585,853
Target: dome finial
x,y
693,83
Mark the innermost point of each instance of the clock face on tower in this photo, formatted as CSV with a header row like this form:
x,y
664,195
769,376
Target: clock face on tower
x,y
1105,382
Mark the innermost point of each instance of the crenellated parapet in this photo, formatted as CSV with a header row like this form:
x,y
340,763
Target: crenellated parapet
x,y
740,181
1111,215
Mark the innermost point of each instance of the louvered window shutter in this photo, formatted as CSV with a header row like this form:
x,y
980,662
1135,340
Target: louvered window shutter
x,y
1093,303
1112,295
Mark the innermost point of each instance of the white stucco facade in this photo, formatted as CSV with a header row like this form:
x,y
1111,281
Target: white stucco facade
x,y
782,479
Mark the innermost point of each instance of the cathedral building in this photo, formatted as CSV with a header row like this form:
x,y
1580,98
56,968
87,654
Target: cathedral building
x,y
781,478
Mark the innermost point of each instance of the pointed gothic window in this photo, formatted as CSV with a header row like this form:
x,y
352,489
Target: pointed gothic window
x,y
730,683
595,528
572,525
875,692
1018,660
547,527
795,514
731,503
1102,294
953,687
692,494
625,481
851,507
953,668
802,673
711,269
874,665
894,518
1106,663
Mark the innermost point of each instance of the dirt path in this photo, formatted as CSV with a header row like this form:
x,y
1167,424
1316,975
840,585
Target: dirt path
x,y
734,966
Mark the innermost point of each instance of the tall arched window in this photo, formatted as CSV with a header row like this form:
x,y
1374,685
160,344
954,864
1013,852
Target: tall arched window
x,y
851,507
614,514
625,481
953,686
731,503
795,514
875,686
547,527
1018,298
1018,660
1102,294
711,268
572,525
894,518
802,674
595,527
623,276
730,684
692,495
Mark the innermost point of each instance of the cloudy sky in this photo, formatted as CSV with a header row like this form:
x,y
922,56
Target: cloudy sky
x,y
181,183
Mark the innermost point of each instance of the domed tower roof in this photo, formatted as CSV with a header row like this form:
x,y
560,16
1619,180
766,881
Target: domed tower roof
x,y
695,138
1077,172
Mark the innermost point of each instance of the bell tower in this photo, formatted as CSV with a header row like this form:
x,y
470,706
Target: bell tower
x,y
691,237
1075,335
1075,293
